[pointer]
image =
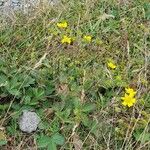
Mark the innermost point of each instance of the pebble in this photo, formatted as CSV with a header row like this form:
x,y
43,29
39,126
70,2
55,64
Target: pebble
x,y
29,121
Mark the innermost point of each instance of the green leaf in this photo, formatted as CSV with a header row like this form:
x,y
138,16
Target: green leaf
x,y
50,142
147,10
142,137
52,145
43,141
85,120
43,125
3,142
28,81
49,88
88,107
3,80
14,92
4,106
27,100
55,126
38,93
58,139
94,127
13,86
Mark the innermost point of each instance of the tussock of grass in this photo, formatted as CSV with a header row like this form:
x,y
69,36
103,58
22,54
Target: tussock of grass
x,y
70,86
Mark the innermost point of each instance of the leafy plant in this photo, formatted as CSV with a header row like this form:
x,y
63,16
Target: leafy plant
x,y
51,143
147,10
141,136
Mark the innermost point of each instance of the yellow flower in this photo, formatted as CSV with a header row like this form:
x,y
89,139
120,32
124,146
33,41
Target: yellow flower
x,y
128,100
62,25
111,65
130,91
66,39
87,38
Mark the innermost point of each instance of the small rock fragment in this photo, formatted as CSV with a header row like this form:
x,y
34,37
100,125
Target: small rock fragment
x,y
29,121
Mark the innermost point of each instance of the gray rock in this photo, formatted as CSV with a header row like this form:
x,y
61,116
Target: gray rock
x,y
29,121
22,3
7,7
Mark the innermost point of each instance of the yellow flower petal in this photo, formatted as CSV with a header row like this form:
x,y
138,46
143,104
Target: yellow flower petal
x,y
111,65
66,39
124,103
123,98
128,100
87,38
62,25
130,104
130,91
133,100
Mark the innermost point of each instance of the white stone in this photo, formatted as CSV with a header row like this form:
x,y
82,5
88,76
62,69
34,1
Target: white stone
x,y
29,121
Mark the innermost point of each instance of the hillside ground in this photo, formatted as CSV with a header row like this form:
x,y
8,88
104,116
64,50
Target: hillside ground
x,y
84,67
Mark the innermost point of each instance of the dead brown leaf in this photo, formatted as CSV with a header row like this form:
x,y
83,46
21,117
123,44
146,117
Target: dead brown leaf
x,y
62,88
77,142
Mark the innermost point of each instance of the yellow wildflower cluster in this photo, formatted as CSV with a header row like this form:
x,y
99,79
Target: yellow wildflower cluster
x,y
129,98
62,25
67,39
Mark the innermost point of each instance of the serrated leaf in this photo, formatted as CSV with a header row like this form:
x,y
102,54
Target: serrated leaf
x,y
14,92
58,139
52,146
38,93
43,141
28,81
